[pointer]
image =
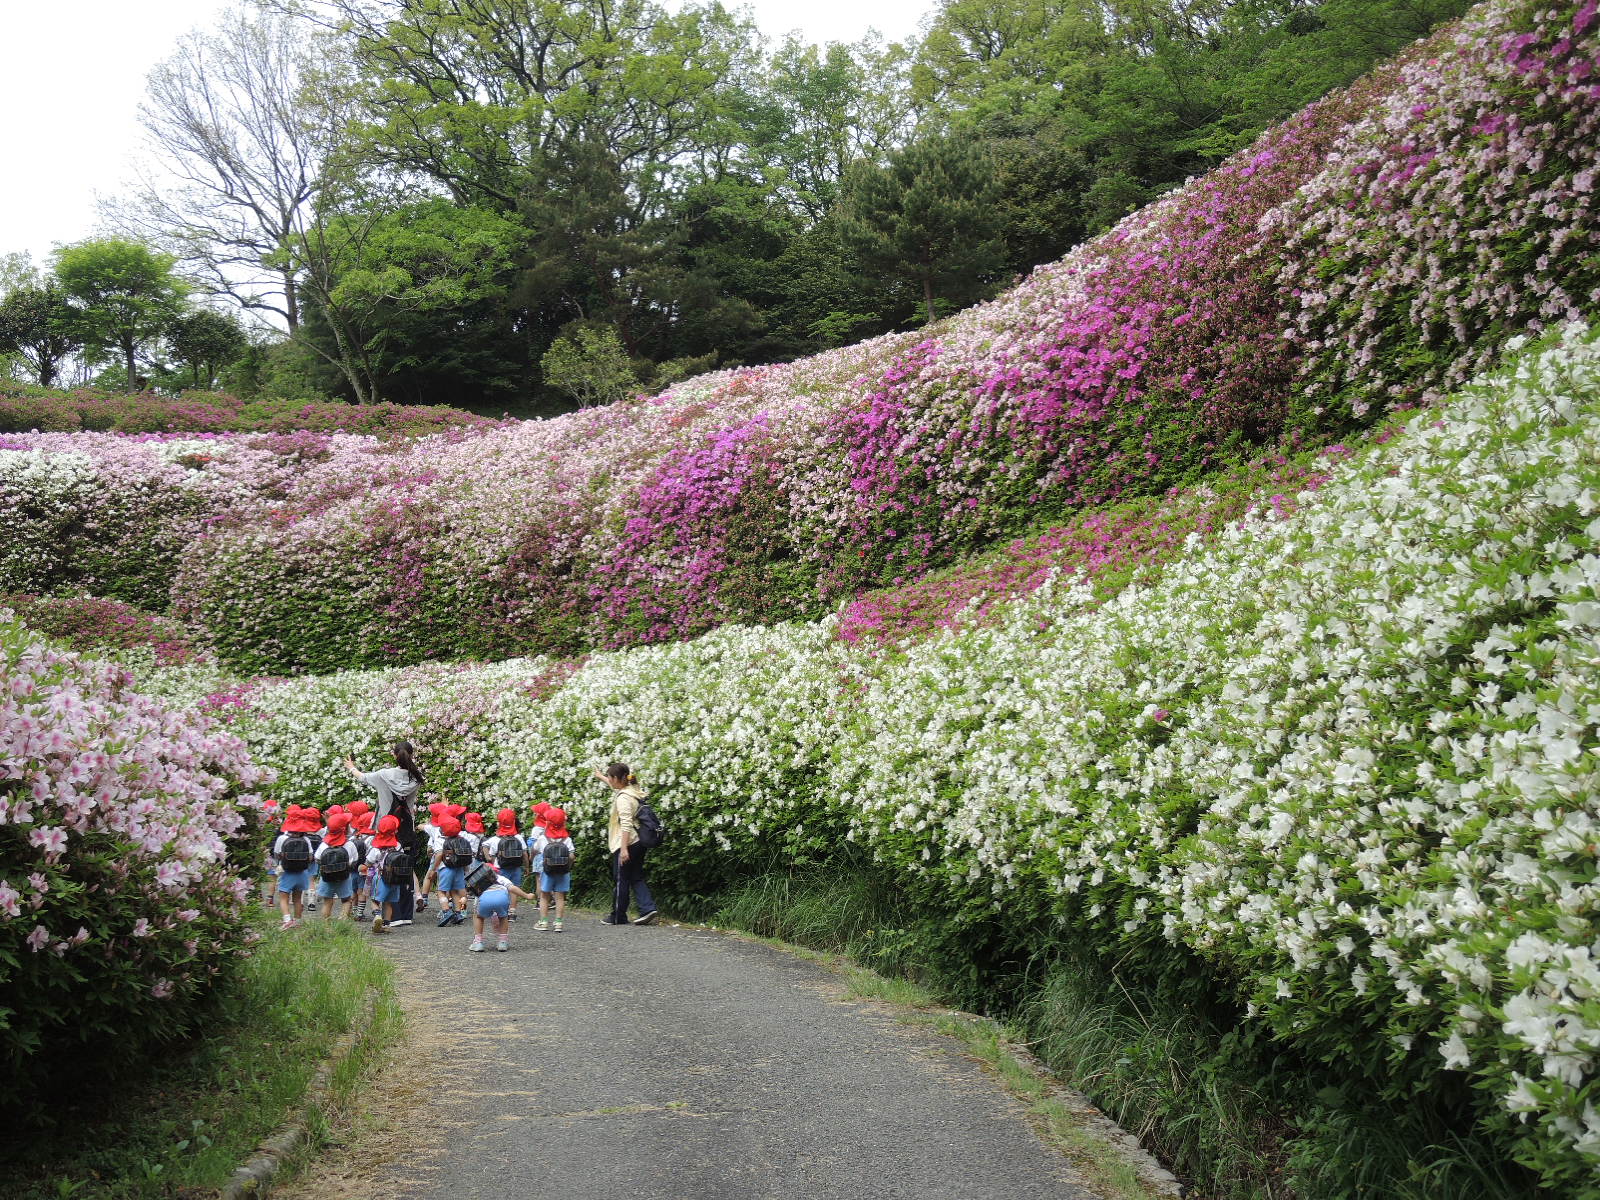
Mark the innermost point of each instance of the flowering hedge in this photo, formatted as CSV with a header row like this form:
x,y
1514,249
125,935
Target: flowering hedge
x,y
24,408
1343,752
89,624
124,826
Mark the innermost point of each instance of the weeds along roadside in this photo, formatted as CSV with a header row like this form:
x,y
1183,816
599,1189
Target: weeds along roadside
x,y
1233,1115
186,1119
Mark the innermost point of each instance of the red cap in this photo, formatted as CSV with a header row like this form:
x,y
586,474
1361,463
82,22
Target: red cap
x,y
474,822
437,810
456,810
555,823
302,820
539,811
356,807
386,831
338,824
364,822
507,818
450,827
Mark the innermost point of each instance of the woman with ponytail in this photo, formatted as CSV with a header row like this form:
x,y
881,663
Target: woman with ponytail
x,y
627,859
398,788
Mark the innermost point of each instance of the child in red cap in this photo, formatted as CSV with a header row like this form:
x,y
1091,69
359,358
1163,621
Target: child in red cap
x,y
494,902
429,829
506,852
294,853
388,871
336,865
312,816
450,865
554,849
361,834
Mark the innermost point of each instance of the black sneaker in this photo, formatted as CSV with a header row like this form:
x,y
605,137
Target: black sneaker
x,y
648,918
613,921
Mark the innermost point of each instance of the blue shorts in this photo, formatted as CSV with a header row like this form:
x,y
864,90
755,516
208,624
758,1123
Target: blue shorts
x,y
452,879
512,873
555,883
337,891
297,881
385,893
494,903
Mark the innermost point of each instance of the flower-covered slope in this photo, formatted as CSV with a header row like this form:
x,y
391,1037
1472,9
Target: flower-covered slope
x,y
1373,250
1346,753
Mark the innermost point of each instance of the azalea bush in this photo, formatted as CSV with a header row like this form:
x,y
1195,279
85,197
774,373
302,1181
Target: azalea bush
x,y
126,830
89,624
24,408
1339,751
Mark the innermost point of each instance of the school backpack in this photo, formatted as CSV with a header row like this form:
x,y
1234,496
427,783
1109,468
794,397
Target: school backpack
x,y
480,877
363,848
651,831
335,864
296,854
557,857
396,868
510,853
457,852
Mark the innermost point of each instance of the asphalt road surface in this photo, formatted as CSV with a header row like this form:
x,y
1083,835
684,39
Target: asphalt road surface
x,y
669,1063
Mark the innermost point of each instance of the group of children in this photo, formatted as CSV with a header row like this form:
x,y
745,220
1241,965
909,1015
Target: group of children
x,y
352,862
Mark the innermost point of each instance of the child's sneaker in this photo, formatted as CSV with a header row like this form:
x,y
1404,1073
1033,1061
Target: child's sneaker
x,y
458,917
512,916
556,926
447,917
422,904
541,926
502,946
477,946
379,925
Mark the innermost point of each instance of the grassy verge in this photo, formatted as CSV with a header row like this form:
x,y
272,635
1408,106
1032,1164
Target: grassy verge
x,y
1225,1109
180,1126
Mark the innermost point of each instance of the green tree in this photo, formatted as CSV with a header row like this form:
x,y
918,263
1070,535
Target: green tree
x,y
412,294
590,365
928,216
38,324
125,293
205,342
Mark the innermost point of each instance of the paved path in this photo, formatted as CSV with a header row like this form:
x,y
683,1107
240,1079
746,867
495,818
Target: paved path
x,y
680,1064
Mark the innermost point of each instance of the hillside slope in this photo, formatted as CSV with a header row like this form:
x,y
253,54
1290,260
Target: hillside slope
x,y
1373,250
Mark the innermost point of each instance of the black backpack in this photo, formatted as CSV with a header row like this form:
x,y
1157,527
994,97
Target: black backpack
x,y
335,864
557,857
363,848
651,831
296,854
510,853
480,877
396,868
457,852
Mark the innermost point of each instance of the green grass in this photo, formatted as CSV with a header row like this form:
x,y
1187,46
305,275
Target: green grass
x,y
181,1125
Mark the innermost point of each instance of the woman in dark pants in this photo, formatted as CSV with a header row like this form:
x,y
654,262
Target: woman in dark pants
x,y
398,789
627,859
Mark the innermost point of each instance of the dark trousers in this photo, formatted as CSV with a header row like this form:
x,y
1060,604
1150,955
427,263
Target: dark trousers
x,y
629,877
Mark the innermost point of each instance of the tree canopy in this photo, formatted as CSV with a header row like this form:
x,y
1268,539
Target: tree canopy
x,y
424,196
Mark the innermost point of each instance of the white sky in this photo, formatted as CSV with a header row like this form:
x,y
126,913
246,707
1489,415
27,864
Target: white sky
x,y
74,75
